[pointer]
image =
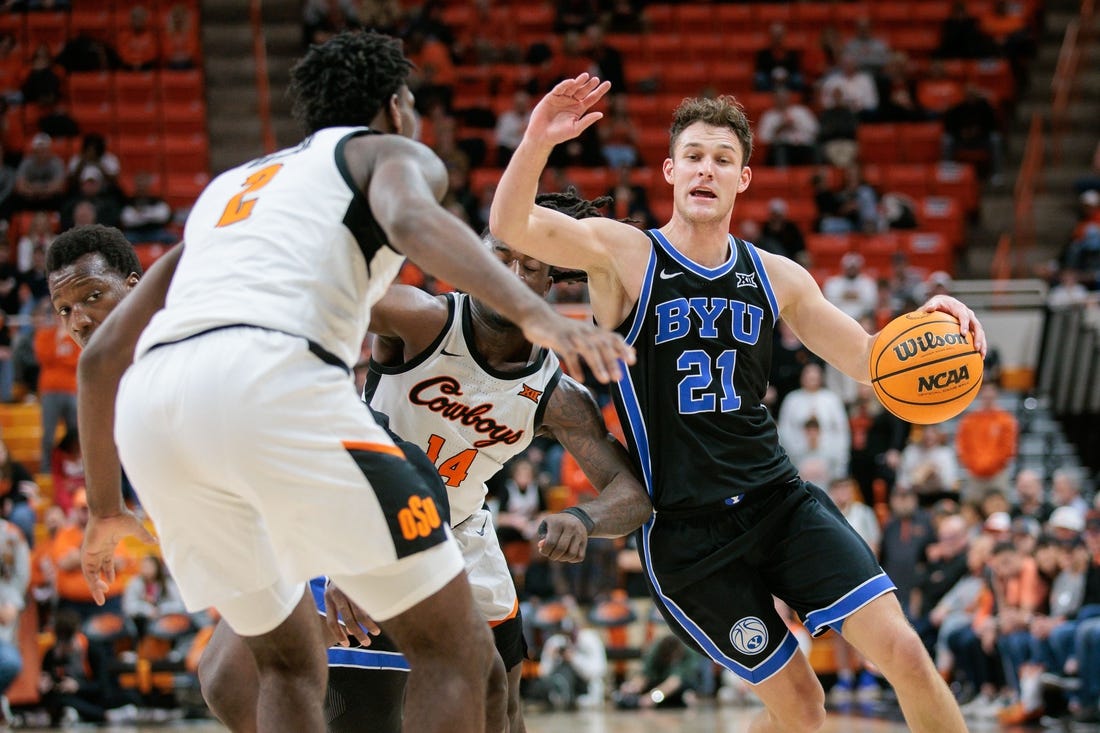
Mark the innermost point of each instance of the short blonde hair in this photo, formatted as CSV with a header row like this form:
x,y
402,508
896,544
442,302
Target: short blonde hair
x,y
721,111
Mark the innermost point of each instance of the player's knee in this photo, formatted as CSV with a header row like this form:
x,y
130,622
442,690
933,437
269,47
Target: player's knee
x,y
805,715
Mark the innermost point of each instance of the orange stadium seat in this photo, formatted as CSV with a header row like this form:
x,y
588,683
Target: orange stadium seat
x,y
878,143
684,77
944,215
930,11
693,18
141,153
135,87
137,119
958,181
887,15
914,40
534,17
767,13
937,95
186,153
826,250
768,183
707,47
90,87
180,86
51,28
812,15
480,178
905,178
846,14
94,117
994,76
647,110
732,17
664,47
879,249
920,142
653,144
928,251
640,73
660,18
184,118
730,76
15,25
91,22
457,16
181,190
592,182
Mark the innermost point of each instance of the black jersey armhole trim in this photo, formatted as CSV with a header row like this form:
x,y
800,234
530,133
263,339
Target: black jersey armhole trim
x,y
545,401
468,335
423,356
359,219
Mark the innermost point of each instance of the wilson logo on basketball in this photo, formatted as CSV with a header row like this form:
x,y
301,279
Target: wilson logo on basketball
x,y
419,518
943,379
911,347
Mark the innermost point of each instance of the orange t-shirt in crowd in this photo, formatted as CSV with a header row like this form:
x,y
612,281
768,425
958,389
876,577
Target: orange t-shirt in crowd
x,y
986,441
70,583
435,58
137,49
1025,592
57,356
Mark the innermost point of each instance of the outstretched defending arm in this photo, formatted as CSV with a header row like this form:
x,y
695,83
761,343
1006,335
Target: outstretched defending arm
x,y
102,365
622,506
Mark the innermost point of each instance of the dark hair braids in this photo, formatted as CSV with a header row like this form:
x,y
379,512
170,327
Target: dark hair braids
x,y
77,242
347,80
570,203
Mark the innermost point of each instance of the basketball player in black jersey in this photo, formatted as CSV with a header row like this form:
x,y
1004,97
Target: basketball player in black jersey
x,y
733,522
351,80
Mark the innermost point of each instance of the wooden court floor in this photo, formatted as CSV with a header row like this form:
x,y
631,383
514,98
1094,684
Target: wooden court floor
x,y
702,720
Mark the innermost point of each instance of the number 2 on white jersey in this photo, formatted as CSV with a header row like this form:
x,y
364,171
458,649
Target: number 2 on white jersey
x,y
239,208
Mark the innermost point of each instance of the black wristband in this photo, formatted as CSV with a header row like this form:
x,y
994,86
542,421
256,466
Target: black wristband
x,y
582,515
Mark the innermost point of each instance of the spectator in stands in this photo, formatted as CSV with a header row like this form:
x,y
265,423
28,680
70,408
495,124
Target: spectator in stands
x,y
607,59
72,590
781,235
39,234
985,442
17,492
511,125
137,42
878,437
34,282
83,52
897,92
575,15
851,208
955,610
629,201
844,491
943,564
150,594
40,178
7,188
825,457
1007,26
1082,257
1089,212
57,357
54,119
960,37
852,290
573,665
971,133
1030,501
458,195
67,470
41,81
813,399
433,71
1065,490
92,190
778,65
93,153
15,573
669,678
383,16
857,88
904,538
789,358
929,467
618,135
43,572
521,503
1068,292
322,19
179,47
869,50
146,217
790,131
74,681
838,126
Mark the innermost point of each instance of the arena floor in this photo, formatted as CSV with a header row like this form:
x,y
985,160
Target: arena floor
x,y
702,720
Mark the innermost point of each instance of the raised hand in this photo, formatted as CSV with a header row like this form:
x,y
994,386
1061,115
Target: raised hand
x,y
573,340
563,113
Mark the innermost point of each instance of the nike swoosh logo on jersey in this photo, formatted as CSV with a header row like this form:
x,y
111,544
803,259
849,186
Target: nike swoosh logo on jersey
x,y
666,275
483,524
447,353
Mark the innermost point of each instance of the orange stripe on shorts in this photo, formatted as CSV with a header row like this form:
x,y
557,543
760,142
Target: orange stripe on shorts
x,y
509,617
393,450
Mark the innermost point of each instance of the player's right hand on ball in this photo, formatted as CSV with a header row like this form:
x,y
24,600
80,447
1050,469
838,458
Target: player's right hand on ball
x,y
344,618
574,341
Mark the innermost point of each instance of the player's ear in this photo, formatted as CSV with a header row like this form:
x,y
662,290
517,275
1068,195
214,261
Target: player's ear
x,y
746,176
666,168
132,280
393,113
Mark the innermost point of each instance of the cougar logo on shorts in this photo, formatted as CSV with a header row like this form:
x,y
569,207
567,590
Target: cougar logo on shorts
x,y
749,635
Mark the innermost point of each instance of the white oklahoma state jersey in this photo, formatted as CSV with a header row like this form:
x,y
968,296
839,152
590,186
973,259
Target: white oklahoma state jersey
x,y
468,417
285,242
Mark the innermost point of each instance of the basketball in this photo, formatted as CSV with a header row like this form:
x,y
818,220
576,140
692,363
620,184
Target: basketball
x,y
923,369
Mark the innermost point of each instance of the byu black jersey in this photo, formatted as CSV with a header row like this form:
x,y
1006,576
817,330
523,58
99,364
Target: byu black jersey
x,y
692,403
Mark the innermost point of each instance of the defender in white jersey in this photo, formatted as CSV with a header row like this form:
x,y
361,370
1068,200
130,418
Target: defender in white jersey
x,y
238,423
466,386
